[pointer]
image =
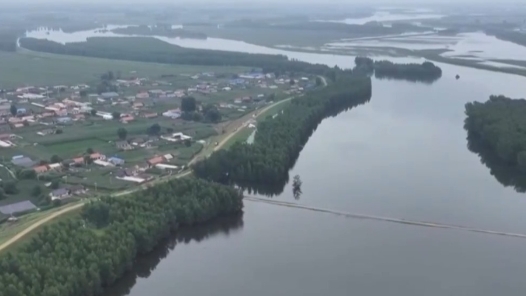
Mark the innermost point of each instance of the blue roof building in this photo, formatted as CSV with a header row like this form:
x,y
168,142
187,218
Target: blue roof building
x,y
116,160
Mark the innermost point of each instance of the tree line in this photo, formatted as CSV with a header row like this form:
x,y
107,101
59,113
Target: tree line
x,y
499,127
507,35
368,29
425,72
159,30
148,49
81,256
263,166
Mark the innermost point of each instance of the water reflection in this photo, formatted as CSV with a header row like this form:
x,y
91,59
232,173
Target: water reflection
x,y
507,174
145,265
271,189
419,79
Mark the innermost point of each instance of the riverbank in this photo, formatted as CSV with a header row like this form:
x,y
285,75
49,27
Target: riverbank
x,y
223,140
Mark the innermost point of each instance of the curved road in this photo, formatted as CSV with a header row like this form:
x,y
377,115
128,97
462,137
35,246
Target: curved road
x,y
38,224
77,206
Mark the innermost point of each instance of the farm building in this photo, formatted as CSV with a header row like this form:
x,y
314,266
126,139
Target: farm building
x,y
123,145
18,207
59,194
155,160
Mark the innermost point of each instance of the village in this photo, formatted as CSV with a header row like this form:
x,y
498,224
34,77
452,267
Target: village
x,y
61,143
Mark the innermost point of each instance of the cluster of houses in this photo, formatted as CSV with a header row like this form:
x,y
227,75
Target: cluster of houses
x,y
102,160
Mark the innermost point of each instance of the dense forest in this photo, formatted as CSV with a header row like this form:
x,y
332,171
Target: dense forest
x,y
159,30
149,49
82,256
507,174
425,72
497,132
263,166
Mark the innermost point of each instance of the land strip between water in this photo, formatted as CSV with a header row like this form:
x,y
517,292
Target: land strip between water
x,y
383,219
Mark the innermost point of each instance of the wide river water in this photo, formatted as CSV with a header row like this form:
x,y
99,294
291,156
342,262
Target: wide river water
x,y
402,155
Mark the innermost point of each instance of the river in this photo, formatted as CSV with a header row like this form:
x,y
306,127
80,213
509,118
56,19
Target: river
x,y
402,155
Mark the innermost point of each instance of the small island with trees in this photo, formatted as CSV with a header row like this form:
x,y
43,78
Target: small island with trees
x,y
497,133
425,72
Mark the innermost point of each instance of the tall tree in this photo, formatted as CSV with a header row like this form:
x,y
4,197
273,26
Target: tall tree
x,y
188,104
122,133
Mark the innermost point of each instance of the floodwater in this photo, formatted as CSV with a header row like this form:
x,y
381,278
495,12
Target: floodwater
x,y
209,43
476,44
386,16
402,155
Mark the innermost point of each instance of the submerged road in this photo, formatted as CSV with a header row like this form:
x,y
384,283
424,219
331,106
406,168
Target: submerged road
x,y
384,219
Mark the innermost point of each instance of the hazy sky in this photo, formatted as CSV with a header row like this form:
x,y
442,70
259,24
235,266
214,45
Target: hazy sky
x,y
248,2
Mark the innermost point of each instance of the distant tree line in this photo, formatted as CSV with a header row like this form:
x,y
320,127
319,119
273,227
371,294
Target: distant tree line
x,y
159,30
508,35
148,49
263,166
79,257
368,29
425,72
497,131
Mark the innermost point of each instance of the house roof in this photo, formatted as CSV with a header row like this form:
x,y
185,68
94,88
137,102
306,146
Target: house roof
x,y
59,192
115,159
122,143
23,161
17,207
78,160
95,155
76,188
156,160
41,169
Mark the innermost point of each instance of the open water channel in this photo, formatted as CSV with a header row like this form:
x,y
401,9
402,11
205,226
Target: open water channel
x,y
402,155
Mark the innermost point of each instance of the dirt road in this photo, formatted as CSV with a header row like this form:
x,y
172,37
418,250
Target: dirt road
x,y
245,123
38,224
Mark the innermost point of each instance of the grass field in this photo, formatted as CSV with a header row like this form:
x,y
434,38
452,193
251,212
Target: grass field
x,y
5,175
35,68
24,192
69,149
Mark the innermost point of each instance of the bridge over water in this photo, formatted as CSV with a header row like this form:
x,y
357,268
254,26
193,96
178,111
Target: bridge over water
x,y
383,219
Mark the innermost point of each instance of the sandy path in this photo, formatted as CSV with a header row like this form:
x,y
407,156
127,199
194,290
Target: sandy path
x,y
38,224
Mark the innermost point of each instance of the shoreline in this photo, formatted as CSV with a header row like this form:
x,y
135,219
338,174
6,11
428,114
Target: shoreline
x,y
4,247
